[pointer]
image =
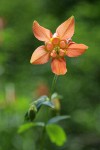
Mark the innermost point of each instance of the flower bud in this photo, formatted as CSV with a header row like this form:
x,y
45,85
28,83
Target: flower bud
x,y
30,115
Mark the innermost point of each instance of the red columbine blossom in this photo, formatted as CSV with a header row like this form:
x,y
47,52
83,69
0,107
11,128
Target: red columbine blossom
x,y
57,46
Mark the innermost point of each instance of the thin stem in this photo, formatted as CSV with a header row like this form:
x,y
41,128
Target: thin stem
x,y
53,83
43,132
42,140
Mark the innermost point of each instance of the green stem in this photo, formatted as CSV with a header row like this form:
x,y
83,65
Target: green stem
x,y
43,132
53,83
42,140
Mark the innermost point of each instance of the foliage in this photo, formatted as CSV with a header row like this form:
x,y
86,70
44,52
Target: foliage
x,y
56,134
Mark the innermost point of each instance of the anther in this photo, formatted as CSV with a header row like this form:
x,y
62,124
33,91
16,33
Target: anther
x,y
49,46
63,44
55,41
61,52
53,53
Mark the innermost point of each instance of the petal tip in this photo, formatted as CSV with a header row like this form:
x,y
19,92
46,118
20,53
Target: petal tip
x,y
30,61
87,47
72,17
34,22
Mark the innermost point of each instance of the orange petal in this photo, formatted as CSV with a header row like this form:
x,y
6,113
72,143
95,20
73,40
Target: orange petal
x,y
75,50
40,56
66,29
58,66
41,33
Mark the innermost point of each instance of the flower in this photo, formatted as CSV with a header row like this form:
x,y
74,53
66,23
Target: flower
x,y
57,46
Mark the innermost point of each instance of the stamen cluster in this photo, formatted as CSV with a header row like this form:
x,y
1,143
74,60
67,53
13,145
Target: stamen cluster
x,y
56,47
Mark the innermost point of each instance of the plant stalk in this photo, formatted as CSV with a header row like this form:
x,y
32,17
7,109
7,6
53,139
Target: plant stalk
x,y
42,139
53,83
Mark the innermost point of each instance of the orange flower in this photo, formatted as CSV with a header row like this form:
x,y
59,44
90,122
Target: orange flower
x,y
56,46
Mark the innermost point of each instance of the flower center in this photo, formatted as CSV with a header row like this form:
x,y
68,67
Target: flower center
x,y
56,47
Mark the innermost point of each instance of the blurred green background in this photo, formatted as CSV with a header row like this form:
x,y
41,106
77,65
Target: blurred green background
x,y
20,82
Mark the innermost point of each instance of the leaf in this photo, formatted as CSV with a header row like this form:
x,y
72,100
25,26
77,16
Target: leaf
x,y
40,101
27,126
57,119
48,103
43,100
56,134
36,105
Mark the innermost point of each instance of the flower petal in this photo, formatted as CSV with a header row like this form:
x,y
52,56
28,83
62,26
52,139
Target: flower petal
x,y
66,29
75,50
40,56
58,66
41,33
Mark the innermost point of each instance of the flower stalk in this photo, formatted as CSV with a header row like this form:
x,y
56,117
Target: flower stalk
x,y
54,83
42,139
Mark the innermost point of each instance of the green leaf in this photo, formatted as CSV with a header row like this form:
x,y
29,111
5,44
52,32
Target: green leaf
x,y
56,134
43,100
36,105
57,119
40,101
48,103
27,126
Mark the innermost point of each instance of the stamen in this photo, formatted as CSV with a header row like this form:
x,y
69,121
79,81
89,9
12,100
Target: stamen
x,y
62,44
49,46
57,48
55,41
61,52
53,54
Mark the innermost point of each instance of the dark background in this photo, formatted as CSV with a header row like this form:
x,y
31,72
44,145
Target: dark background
x,y
20,82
